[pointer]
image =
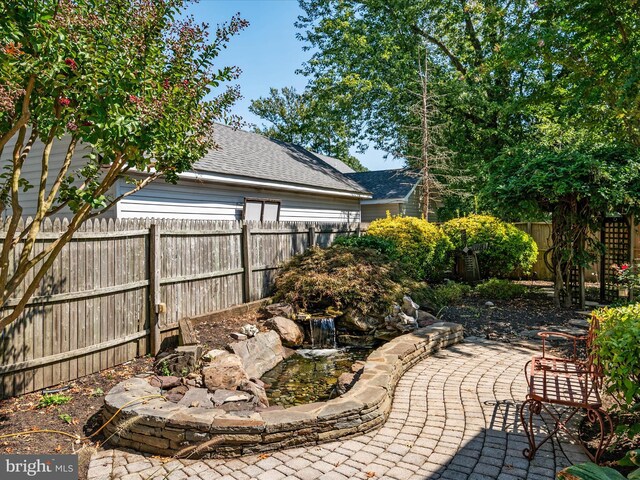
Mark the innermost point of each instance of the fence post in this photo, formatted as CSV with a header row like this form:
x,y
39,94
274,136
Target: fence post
x,y
312,236
246,262
155,308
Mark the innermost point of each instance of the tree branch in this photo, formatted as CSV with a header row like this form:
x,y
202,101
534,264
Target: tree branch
x,y
24,116
431,39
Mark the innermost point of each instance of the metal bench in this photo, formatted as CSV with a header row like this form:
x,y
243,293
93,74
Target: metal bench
x,y
571,383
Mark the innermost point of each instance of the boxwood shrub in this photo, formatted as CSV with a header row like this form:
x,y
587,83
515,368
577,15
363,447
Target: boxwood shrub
x,y
423,250
509,249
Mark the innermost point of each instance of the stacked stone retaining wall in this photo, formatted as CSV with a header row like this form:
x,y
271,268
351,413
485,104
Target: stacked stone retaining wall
x,y
146,422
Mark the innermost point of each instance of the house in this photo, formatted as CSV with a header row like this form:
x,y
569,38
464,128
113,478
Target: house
x,y
249,177
395,191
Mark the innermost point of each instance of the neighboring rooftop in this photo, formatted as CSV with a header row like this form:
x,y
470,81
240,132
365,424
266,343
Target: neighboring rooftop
x,y
335,163
387,184
247,154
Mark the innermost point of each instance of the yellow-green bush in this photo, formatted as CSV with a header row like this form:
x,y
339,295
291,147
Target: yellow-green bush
x,y
422,248
510,249
618,343
500,289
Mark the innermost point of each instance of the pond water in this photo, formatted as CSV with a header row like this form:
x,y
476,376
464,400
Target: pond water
x,y
309,375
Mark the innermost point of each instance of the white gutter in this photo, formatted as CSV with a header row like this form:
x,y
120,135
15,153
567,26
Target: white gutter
x,y
383,201
213,178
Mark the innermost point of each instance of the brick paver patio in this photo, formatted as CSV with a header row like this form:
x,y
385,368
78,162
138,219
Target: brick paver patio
x,y
454,416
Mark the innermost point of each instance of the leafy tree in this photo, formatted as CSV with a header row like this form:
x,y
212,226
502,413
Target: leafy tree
x,y
126,79
306,120
368,54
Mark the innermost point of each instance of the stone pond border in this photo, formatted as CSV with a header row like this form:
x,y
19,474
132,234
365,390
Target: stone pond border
x,y
157,426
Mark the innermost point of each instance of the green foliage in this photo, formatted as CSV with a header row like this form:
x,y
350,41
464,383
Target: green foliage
x,y
305,120
163,368
340,277
97,392
423,249
618,343
439,296
510,249
53,399
591,471
381,245
66,418
500,289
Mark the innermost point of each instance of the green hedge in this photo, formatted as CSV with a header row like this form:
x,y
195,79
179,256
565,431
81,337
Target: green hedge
x,y
423,249
510,249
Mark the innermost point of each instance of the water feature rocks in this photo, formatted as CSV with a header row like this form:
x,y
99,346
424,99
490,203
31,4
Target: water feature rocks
x,y
256,388
425,319
224,371
260,353
164,382
290,333
249,330
181,361
409,306
280,310
400,321
197,397
224,396
352,321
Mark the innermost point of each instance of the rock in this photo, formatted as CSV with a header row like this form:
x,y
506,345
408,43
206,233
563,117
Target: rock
x,y
425,319
211,354
580,323
290,333
280,310
238,336
224,371
197,397
249,330
345,382
260,353
401,321
352,321
180,362
358,366
257,391
223,396
489,304
165,383
177,393
409,306
386,334
356,340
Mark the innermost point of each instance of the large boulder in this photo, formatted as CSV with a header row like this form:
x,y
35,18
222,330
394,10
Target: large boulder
x,y
290,332
409,306
280,310
260,353
256,388
425,319
356,322
224,371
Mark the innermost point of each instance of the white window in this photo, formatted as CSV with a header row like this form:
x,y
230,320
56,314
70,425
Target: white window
x,y
259,209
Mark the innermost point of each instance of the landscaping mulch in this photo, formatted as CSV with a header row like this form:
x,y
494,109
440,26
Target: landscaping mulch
x,y
216,334
512,321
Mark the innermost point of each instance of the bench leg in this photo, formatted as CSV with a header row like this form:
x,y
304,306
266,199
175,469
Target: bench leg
x,y
534,408
604,422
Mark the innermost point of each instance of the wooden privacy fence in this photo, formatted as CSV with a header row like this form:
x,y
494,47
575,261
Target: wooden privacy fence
x,y
119,288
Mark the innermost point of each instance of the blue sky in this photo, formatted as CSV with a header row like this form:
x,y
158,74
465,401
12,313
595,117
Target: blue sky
x,y
268,54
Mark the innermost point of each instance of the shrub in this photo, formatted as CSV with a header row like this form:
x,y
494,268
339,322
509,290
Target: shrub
x,y
422,248
618,342
500,289
341,277
439,296
510,249
381,245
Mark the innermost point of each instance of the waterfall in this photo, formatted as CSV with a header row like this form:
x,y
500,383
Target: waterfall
x,y
323,332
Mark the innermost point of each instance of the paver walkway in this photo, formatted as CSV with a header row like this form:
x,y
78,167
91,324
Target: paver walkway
x,y
454,416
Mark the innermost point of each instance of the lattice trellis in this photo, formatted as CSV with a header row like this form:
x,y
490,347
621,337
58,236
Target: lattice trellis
x,y
616,237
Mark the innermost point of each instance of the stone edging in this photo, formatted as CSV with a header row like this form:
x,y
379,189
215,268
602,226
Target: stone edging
x,y
164,428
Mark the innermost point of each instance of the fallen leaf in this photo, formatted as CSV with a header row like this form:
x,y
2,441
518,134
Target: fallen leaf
x,y
371,474
262,456
58,448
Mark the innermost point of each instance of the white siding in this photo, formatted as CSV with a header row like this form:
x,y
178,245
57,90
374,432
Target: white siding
x,y
371,212
32,169
412,207
198,200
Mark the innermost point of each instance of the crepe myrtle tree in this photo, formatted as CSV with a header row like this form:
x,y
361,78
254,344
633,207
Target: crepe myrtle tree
x,y
125,80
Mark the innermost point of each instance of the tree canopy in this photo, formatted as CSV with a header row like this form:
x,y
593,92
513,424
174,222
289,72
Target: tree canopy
x,y
127,80
302,119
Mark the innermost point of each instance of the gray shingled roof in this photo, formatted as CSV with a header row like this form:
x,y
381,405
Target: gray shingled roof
x,y
335,163
387,184
252,155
